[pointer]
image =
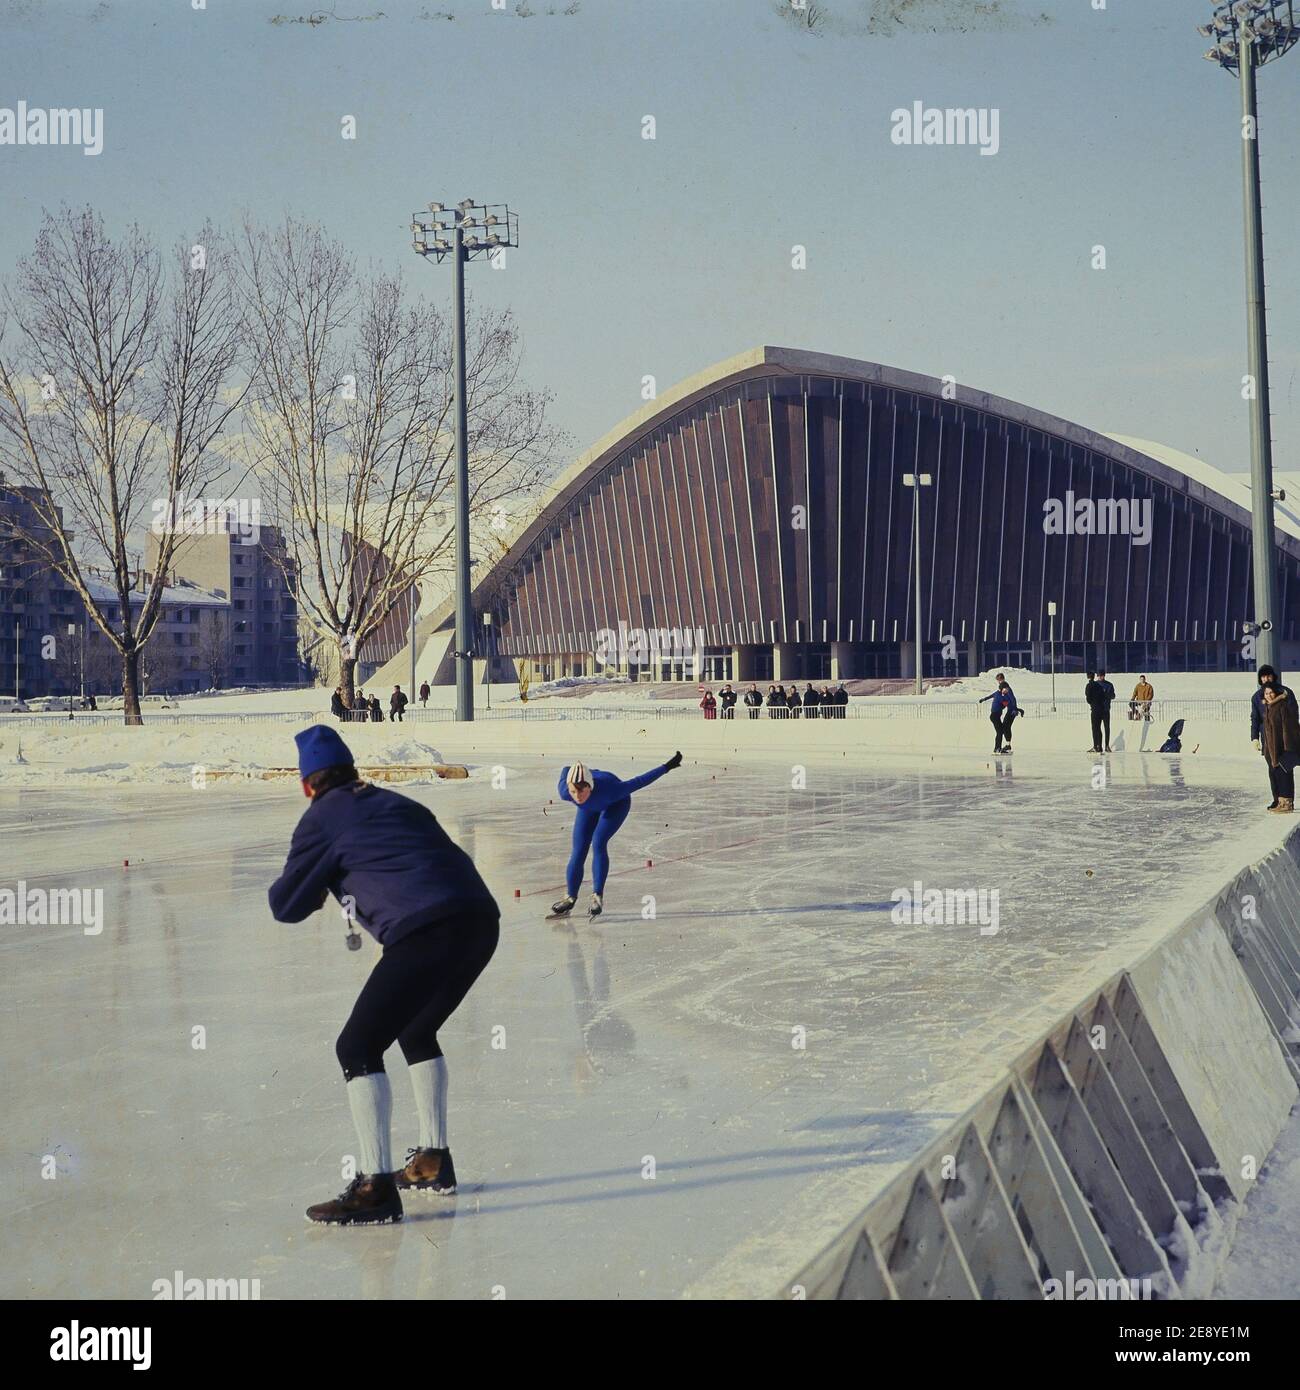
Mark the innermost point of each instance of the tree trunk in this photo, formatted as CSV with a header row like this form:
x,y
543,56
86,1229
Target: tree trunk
x,y
347,675
131,687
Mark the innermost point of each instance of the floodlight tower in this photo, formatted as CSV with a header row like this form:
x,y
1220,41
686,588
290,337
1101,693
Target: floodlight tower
x,y
1248,34
467,232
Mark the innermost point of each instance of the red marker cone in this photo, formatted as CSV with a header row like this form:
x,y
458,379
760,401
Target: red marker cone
x,y
126,863
516,892
649,863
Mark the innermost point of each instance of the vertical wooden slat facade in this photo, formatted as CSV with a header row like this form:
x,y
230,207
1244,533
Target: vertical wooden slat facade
x,y
772,509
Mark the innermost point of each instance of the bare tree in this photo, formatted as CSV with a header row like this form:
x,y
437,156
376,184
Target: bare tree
x,y
214,649
352,428
115,384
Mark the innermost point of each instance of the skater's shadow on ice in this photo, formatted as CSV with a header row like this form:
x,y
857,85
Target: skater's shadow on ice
x,y
905,1135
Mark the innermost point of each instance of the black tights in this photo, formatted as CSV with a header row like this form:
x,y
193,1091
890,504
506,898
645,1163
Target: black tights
x,y
413,991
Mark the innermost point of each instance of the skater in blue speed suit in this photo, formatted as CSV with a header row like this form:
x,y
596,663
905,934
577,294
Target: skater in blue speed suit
x,y
603,801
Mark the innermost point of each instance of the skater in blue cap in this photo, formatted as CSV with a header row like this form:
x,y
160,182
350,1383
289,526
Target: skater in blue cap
x,y
400,876
603,801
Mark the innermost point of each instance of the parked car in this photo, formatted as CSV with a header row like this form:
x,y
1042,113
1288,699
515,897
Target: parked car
x,y
11,704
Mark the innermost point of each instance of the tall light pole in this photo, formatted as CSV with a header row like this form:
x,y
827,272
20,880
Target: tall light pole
x,y
487,665
916,481
1051,642
466,232
1248,34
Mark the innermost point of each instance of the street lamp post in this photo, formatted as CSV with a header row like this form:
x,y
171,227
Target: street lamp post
x,y
1051,642
916,481
466,232
487,664
1248,34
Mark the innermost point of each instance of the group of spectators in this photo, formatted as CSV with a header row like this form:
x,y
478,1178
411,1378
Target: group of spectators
x,y
366,708
781,702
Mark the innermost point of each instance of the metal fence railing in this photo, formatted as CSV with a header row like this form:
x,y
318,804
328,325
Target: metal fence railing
x,y
1162,712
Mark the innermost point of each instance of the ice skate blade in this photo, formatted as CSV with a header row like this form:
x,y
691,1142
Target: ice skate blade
x,y
343,1225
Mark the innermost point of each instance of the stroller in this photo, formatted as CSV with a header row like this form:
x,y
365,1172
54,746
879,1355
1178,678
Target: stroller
x,y
1174,744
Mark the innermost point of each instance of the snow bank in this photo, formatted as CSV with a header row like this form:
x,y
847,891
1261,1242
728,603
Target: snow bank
x,y
65,754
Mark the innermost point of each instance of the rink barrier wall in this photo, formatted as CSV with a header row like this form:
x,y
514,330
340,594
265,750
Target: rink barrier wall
x,y
1114,1155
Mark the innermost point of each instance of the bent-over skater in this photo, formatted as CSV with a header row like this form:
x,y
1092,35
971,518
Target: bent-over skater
x,y
603,801
402,878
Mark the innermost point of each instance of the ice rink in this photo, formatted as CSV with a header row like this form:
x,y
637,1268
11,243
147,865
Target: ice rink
x,y
650,1127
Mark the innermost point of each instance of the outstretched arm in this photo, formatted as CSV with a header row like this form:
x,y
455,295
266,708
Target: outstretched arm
x,y
636,783
304,885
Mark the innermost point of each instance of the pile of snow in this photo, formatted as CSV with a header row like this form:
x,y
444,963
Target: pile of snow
x,y
65,754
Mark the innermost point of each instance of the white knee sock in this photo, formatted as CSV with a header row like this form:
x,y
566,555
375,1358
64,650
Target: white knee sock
x,y
429,1082
371,1099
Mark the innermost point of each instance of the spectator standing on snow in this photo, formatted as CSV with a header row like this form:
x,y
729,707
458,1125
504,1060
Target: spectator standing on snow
x,y
709,705
337,708
424,693
376,714
727,699
1280,736
1090,693
775,702
1002,714
397,703
811,702
753,700
1139,705
1105,698
1267,678
793,704
842,700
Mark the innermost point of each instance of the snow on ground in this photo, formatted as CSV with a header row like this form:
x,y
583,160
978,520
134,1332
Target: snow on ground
x,y
1265,1258
65,754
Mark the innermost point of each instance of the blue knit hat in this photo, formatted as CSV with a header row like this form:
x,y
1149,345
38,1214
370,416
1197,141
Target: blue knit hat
x,y
320,747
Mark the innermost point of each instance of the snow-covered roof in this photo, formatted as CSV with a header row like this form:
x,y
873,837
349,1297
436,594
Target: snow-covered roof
x,y
1234,487
173,596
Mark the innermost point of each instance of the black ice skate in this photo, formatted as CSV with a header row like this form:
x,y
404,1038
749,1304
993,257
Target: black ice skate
x,y
597,907
562,908
369,1200
428,1170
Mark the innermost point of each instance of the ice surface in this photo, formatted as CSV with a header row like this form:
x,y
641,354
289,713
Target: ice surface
x,y
667,1038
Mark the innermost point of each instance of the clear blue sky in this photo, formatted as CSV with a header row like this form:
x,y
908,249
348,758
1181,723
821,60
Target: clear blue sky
x,y
660,257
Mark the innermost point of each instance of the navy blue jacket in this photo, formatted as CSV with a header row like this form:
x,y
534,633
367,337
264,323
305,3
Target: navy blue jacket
x,y
1257,707
388,853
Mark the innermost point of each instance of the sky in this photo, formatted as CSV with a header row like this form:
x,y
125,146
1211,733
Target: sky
x,y
643,257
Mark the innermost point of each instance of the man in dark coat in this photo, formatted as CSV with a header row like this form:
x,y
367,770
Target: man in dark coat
x,y
397,874
376,714
1265,678
1106,697
424,693
793,704
727,699
753,700
337,708
397,703
811,702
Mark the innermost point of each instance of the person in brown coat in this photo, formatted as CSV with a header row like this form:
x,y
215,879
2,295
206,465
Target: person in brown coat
x,y
1280,737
